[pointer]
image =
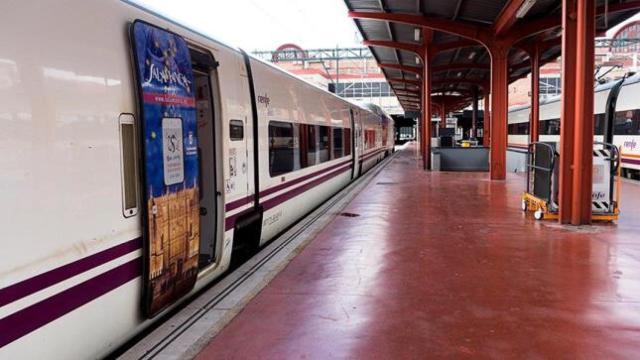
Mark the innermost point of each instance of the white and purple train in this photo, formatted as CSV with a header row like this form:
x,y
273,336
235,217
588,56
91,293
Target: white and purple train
x,y
140,159
625,123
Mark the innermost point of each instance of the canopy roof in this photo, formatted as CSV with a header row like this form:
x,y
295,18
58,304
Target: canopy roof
x,y
457,31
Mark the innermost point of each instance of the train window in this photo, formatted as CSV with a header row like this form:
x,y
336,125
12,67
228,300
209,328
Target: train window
x,y
338,143
550,127
627,122
312,147
323,143
598,126
347,142
280,148
129,168
519,129
236,130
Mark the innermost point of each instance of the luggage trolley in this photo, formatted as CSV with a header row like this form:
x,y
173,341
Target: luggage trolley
x,y
541,195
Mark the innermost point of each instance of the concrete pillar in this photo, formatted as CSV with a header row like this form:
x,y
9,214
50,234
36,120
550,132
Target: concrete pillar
x,y
576,140
499,104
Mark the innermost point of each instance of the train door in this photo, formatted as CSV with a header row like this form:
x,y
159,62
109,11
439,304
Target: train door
x,y
352,142
175,151
203,70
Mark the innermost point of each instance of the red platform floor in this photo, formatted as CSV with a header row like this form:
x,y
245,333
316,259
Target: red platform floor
x,y
445,265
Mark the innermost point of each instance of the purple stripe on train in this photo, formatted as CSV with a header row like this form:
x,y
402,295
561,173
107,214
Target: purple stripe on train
x,y
29,286
37,315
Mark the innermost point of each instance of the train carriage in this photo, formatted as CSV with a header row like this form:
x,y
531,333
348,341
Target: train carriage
x,y
141,159
626,126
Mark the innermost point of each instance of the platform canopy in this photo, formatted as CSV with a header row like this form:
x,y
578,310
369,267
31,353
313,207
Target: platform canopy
x,y
458,32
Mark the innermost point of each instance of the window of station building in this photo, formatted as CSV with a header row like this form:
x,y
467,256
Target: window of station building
x,y
627,122
281,148
363,89
550,86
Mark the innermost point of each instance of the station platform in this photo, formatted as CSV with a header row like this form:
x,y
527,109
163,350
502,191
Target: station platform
x,y
446,265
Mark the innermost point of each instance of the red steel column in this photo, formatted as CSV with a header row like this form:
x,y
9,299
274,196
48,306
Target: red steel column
x,y
426,109
474,112
499,104
443,114
486,131
534,121
567,114
576,133
583,142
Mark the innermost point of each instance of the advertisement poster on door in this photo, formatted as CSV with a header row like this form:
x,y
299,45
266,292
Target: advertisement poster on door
x,y
170,164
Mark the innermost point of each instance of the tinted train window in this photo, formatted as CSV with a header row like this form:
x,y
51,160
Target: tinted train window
x,y
312,144
129,166
627,122
323,143
281,148
236,130
338,144
519,129
598,126
550,127
347,142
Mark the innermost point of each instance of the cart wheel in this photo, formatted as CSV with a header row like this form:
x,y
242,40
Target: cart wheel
x,y
525,205
538,214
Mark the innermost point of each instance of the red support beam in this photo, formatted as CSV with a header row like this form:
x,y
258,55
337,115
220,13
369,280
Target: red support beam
x,y
486,130
459,81
474,112
465,30
405,81
426,109
534,121
411,69
499,105
524,29
443,114
451,45
567,114
507,17
395,45
583,131
459,66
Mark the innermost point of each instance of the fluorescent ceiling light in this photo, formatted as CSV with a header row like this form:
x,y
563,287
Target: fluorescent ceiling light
x,y
524,8
417,60
472,55
416,34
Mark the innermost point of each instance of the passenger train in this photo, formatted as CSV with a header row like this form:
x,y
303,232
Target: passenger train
x,y
626,125
140,159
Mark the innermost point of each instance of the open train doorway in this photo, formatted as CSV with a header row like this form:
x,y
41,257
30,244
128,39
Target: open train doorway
x,y
205,115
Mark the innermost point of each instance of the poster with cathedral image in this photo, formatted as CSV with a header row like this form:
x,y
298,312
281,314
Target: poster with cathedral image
x,y
170,164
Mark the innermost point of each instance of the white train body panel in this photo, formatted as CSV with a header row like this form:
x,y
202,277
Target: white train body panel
x,y
629,144
70,275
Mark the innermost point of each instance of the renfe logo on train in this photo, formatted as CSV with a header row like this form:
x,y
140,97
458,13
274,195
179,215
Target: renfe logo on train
x,y
169,128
